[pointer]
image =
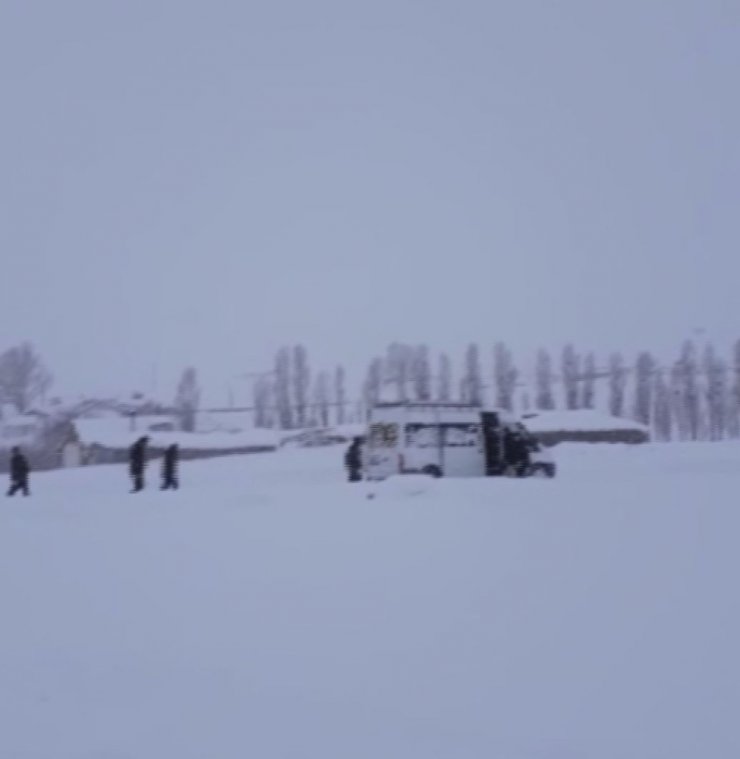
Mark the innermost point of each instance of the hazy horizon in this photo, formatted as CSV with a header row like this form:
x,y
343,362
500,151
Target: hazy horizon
x,y
199,184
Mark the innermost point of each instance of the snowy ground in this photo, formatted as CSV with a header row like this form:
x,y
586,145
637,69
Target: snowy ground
x,y
269,610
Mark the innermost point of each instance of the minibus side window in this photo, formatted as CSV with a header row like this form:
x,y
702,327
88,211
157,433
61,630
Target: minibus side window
x,y
383,435
461,435
422,435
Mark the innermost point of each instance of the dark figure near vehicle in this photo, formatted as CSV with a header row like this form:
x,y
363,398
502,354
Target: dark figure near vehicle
x,y
19,470
353,460
169,468
516,452
137,463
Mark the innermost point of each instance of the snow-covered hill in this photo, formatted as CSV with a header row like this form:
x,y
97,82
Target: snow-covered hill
x,y
270,610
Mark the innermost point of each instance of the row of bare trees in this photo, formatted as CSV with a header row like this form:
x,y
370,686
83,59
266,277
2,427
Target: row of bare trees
x,y
694,397
292,396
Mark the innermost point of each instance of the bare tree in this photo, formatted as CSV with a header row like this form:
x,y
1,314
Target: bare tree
x,y
505,376
617,384
715,371
677,401
571,372
399,368
544,400
301,384
282,389
24,378
321,399
371,390
421,373
588,397
444,380
340,394
644,370
688,371
263,394
472,382
662,409
733,396
187,399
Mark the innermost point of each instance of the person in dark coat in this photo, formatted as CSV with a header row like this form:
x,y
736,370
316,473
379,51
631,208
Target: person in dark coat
x,y
137,463
169,468
19,470
524,459
353,460
516,452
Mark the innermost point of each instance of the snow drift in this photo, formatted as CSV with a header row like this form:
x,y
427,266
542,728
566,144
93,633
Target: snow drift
x,y
271,610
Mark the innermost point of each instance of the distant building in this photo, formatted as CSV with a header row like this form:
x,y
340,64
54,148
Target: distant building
x,y
39,435
107,440
224,420
584,426
318,437
72,454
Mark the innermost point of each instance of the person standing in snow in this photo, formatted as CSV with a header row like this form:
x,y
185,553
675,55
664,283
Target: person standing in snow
x,y
524,457
516,453
169,468
19,470
353,460
137,463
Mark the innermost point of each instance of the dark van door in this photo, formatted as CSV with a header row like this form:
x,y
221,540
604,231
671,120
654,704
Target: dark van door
x,y
492,443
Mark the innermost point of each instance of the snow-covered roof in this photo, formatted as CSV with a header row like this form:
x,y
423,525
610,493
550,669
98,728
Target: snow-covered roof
x,y
339,433
19,429
580,420
116,432
224,421
350,430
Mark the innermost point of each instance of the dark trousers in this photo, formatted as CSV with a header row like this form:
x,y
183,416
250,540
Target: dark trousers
x,y
17,486
354,474
138,480
169,481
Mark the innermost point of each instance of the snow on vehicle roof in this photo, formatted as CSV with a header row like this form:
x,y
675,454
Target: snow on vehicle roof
x,y
420,407
582,420
426,404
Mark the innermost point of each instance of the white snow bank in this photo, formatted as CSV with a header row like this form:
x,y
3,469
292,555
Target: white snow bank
x,y
401,485
116,433
269,609
581,420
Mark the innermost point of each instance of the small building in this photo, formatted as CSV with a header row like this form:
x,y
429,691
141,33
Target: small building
x,y
107,440
71,454
224,420
584,426
25,431
317,437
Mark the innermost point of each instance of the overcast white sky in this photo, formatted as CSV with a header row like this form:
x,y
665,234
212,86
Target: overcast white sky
x,y
200,182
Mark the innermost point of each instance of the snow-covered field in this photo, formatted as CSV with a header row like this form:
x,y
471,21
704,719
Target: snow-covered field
x,y
270,610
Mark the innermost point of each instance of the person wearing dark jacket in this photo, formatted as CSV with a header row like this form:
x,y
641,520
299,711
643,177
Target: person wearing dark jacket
x,y
19,470
516,452
137,463
524,457
169,468
353,460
